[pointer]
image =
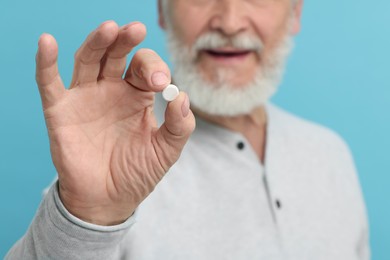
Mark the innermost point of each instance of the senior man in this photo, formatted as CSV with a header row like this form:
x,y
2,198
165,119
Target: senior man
x,y
253,181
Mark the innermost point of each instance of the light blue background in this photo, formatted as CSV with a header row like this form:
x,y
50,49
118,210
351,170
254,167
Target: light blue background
x,y
337,76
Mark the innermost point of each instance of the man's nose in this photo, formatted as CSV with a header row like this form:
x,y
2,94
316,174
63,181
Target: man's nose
x,y
229,17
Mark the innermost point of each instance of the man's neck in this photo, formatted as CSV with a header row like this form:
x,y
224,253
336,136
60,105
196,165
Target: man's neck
x,y
252,126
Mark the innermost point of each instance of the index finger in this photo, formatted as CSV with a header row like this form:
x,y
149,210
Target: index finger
x,y
148,72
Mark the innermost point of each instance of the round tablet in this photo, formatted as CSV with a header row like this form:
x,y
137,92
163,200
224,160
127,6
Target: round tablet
x,y
170,93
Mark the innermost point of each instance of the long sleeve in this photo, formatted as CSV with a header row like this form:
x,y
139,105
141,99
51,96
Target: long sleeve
x,y
56,234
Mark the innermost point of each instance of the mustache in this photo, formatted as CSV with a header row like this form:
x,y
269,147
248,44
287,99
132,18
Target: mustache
x,y
214,40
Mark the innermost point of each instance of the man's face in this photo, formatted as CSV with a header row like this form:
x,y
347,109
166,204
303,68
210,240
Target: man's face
x,y
231,41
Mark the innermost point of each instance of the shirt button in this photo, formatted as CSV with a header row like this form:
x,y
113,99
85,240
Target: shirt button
x,y
278,204
240,145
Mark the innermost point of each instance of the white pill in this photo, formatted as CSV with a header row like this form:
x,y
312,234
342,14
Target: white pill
x,y
170,93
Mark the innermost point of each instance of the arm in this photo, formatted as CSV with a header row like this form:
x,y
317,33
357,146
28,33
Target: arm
x,y
104,141
56,234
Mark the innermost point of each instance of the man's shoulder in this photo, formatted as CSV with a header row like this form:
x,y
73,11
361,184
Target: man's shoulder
x,y
296,129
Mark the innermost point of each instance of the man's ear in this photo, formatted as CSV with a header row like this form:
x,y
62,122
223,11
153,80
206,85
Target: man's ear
x,y
297,14
161,18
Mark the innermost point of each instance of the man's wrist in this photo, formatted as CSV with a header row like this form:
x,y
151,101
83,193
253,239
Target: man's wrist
x,y
97,215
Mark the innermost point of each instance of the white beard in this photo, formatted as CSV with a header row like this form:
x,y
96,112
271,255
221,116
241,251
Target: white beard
x,y
220,97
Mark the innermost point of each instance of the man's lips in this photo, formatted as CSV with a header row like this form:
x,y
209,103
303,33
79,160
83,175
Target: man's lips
x,y
228,56
228,53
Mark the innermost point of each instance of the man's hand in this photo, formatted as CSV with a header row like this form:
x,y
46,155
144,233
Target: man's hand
x,y
104,140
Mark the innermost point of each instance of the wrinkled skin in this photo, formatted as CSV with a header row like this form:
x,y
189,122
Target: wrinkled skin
x,y
104,139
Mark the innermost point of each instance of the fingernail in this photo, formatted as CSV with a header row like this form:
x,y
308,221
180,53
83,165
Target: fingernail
x,y
159,79
185,107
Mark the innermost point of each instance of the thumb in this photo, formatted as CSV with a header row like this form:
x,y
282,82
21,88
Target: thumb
x,y
174,133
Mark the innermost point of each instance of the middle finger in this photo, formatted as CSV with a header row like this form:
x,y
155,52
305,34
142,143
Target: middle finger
x,y
115,60
88,58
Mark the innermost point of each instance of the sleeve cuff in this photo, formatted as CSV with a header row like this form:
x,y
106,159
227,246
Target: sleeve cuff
x,y
77,228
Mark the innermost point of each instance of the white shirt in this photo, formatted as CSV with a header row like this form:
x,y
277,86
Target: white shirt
x,y
219,202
